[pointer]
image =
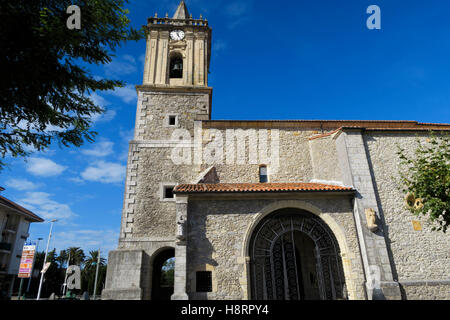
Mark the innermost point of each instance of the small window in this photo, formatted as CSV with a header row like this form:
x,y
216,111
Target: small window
x,y
263,174
172,120
204,281
168,192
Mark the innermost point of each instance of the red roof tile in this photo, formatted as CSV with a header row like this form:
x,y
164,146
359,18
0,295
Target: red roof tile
x,y
256,187
329,124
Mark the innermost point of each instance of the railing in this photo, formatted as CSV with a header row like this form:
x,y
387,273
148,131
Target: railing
x,y
167,20
12,225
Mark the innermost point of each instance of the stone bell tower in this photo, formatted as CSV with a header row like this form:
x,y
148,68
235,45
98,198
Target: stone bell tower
x,y
178,50
174,95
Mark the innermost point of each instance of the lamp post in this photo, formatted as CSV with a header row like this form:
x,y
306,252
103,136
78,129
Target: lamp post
x,y
45,259
65,278
96,273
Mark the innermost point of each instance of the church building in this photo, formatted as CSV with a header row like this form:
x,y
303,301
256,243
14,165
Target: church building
x,y
265,210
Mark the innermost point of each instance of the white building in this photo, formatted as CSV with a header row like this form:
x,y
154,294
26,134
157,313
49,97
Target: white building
x,y
14,226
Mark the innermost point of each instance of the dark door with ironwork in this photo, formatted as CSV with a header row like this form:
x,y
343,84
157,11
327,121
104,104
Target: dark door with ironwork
x,y
294,256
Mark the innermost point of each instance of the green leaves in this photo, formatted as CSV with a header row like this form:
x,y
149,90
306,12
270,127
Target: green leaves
x,y
44,81
426,177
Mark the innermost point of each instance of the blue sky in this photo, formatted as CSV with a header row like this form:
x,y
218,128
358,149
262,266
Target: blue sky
x,y
270,60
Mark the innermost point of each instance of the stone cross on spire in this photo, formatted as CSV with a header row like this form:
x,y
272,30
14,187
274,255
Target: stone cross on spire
x,y
182,12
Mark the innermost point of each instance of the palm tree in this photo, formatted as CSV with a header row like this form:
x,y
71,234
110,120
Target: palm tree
x,y
92,259
62,258
90,265
77,256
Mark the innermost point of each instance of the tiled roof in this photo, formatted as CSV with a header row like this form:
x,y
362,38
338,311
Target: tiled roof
x,y
329,124
257,187
8,203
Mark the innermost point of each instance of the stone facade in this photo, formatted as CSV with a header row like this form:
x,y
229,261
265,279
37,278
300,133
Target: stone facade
x,y
418,256
211,231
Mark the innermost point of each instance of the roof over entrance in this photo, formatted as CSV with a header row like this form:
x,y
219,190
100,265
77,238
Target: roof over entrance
x,y
258,187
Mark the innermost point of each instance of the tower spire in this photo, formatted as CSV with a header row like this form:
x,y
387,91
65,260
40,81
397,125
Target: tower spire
x,y
182,11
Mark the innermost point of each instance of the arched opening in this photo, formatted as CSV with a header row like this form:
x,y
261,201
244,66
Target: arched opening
x,y
163,275
176,66
295,256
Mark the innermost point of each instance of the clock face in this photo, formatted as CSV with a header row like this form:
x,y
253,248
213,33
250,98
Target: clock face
x,y
177,35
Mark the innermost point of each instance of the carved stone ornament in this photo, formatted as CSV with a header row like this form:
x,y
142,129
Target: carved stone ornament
x,y
180,228
371,217
177,44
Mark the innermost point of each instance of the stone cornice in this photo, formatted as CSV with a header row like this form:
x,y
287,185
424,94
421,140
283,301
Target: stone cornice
x,y
174,89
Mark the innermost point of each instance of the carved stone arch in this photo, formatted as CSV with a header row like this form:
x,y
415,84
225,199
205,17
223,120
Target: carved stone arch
x,y
179,52
324,224
175,56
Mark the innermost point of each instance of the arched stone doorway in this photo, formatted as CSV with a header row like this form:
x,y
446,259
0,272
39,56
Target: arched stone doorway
x,y
295,256
161,288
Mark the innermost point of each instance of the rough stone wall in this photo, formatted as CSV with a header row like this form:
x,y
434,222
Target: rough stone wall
x,y
149,163
155,106
123,280
295,164
324,160
216,233
153,217
429,290
416,255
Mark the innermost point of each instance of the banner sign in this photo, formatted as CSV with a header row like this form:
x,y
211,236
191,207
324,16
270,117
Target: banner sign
x,y
26,262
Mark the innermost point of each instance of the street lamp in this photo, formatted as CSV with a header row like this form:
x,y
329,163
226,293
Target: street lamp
x,y
96,273
45,259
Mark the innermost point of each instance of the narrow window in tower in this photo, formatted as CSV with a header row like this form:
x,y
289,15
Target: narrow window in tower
x,y
172,120
263,174
176,67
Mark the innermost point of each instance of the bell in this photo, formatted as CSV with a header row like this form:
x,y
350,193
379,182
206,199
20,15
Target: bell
x,y
177,67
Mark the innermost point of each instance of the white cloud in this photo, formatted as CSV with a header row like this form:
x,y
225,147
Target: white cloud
x,y
105,172
119,68
88,240
101,149
41,204
44,167
98,100
104,117
142,60
76,180
236,9
21,184
127,94
33,127
218,46
129,58
127,135
238,13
